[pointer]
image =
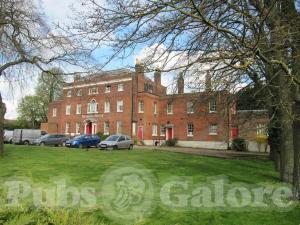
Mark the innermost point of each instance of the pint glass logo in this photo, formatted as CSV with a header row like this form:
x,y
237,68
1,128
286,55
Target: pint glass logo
x,y
127,193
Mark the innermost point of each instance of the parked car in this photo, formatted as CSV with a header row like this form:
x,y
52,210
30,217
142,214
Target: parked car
x,y
52,139
117,142
26,136
8,136
83,141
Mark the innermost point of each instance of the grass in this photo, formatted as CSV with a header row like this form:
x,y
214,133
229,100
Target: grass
x,y
39,165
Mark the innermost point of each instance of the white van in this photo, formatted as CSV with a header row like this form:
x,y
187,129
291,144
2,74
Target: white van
x,y
26,136
8,136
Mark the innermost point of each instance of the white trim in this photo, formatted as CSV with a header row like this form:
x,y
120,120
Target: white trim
x,y
98,83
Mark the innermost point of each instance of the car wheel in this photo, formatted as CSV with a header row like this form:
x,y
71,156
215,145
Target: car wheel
x,y
80,146
63,144
26,142
115,147
42,144
130,147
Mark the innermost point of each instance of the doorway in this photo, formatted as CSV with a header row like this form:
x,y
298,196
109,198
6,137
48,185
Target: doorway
x,y
169,132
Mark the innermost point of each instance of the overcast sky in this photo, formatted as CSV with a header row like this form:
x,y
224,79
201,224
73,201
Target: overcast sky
x,y
56,11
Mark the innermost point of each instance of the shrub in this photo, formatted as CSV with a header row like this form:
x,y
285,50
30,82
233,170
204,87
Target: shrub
x,y
239,144
171,142
102,136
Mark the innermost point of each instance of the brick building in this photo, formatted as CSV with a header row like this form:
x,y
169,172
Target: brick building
x,y
128,102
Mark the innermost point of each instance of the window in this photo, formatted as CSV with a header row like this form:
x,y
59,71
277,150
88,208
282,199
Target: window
x,y
170,108
213,129
68,109
141,106
106,128
77,130
67,128
119,127
106,107
190,129
120,106
93,91
92,107
78,109
154,130
79,92
261,130
69,93
120,87
212,106
107,88
162,131
190,107
155,108
54,112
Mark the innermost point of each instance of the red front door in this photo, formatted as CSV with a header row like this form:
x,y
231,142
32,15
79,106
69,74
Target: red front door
x,y
169,133
140,133
89,128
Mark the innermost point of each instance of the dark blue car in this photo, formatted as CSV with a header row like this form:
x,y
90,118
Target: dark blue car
x,y
83,141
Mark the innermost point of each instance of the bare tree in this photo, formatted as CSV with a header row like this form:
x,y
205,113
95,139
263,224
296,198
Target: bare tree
x,y
243,42
26,41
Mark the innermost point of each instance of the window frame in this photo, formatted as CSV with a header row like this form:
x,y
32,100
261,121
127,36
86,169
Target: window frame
x,y
163,134
96,107
67,125
77,127
78,112
212,107
68,109
69,93
120,87
190,130
106,128
92,92
119,126
216,129
107,88
106,109
154,131
170,112
190,105
141,103
54,112
121,105
79,92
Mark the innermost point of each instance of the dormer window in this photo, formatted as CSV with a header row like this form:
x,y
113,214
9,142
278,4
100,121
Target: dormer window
x,y
79,92
93,91
120,87
107,88
69,93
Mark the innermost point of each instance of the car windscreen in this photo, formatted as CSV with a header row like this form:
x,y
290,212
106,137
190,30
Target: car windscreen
x,y
112,138
78,137
45,136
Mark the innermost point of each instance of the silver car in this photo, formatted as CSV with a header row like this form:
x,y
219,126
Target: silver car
x,y
116,142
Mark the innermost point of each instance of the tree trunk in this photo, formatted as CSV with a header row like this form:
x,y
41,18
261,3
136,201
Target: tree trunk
x,y
2,113
286,148
296,128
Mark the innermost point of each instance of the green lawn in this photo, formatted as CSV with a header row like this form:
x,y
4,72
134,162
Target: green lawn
x,y
40,165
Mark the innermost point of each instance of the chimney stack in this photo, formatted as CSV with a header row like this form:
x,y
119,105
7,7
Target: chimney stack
x,y
180,84
139,68
77,77
157,77
208,82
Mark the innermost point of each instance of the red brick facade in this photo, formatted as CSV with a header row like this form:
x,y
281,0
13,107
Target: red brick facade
x,y
145,113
